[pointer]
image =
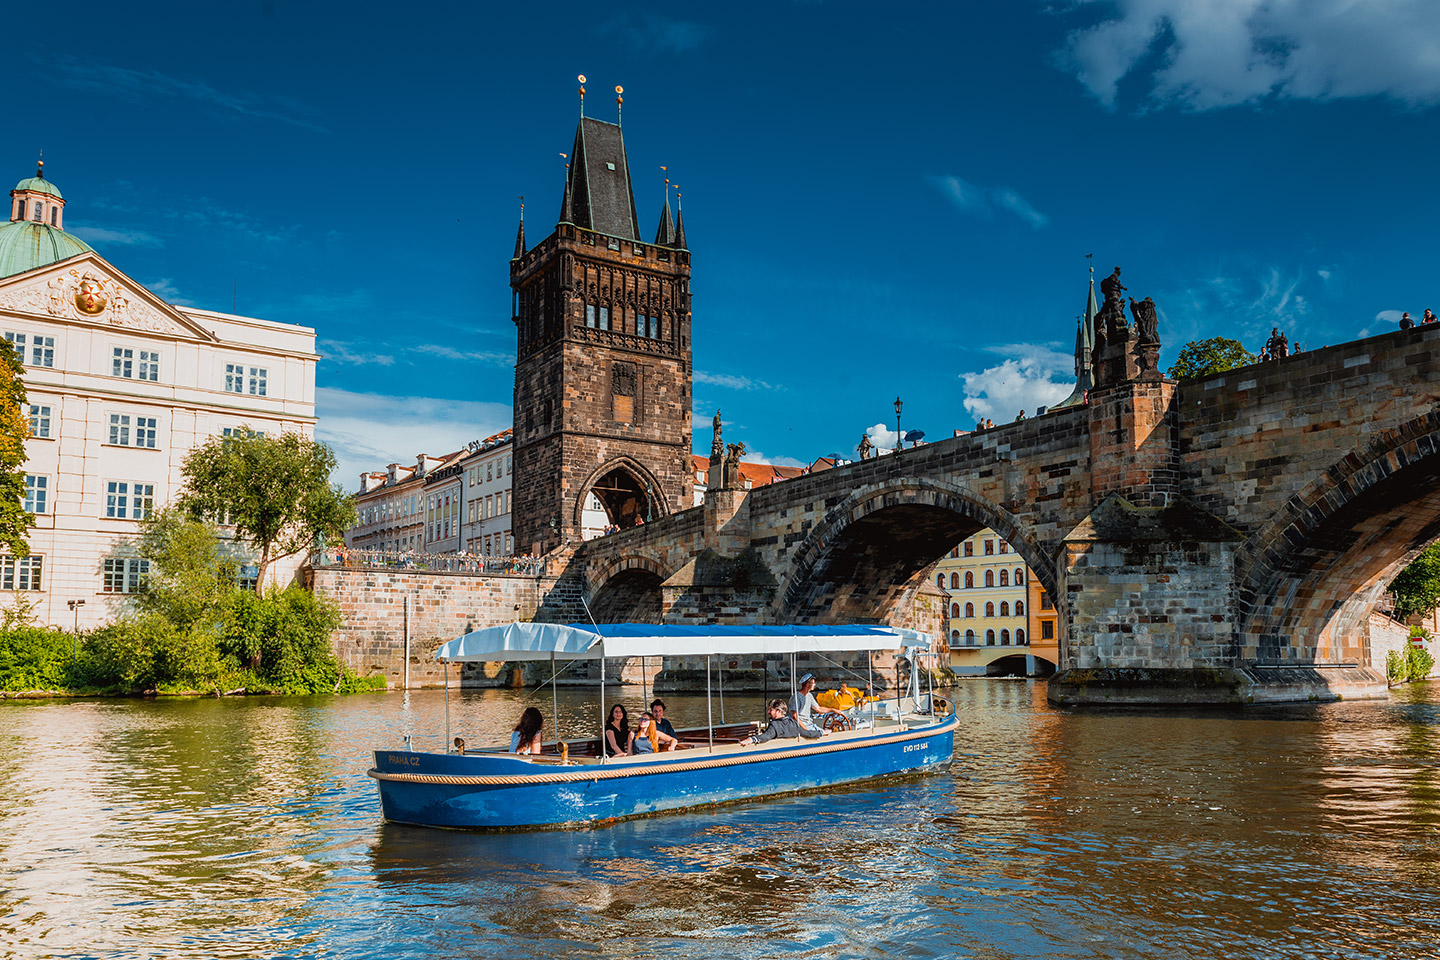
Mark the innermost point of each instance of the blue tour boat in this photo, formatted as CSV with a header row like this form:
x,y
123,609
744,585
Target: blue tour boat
x,y
571,782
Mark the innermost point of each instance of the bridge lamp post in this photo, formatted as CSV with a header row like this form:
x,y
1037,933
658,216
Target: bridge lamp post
x,y
75,606
899,437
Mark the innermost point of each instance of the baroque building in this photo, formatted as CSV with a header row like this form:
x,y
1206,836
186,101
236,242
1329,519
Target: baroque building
x,y
603,369
121,386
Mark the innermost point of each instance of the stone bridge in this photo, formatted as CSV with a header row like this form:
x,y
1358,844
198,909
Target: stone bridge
x,y
1223,538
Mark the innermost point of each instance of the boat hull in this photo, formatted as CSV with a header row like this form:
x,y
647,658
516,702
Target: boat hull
x,y
502,792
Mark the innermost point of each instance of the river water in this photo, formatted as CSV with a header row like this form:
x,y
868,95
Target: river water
x,y
247,828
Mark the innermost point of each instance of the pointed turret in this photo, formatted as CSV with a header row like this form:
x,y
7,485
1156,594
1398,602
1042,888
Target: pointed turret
x,y
680,226
1084,351
519,241
665,233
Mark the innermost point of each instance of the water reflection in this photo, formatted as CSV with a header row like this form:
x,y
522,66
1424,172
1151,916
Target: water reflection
x,y
248,828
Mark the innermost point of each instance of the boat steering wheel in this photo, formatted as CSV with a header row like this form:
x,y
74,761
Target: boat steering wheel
x,y
837,722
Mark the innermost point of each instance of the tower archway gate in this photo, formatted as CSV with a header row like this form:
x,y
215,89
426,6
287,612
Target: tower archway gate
x,y
1220,539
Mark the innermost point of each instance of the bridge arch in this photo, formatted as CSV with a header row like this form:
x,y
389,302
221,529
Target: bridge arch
x,y
627,490
1308,578
626,590
867,556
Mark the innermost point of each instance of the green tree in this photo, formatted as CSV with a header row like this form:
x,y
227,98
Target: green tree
x,y
15,520
1417,587
192,576
1200,358
275,490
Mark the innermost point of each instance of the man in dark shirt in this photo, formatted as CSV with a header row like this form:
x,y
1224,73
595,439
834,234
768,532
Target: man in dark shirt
x,y
782,726
657,710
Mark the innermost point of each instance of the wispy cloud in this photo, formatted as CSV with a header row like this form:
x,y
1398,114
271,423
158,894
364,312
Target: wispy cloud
x,y
985,201
755,456
1219,54
369,431
105,235
497,357
1247,299
1031,375
655,33
337,351
165,289
733,382
146,86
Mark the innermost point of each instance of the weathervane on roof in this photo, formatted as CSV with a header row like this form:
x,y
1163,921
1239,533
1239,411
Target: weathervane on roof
x,y
619,103
666,170
522,208
581,78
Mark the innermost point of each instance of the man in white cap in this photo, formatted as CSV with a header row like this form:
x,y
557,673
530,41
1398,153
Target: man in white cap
x,y
803,705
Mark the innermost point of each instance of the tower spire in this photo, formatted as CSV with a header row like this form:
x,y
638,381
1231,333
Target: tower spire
x,y
520,234
1084,346
567,214
665,233
679,221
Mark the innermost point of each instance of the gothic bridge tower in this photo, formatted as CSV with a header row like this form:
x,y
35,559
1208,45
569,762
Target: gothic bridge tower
x,y
603,369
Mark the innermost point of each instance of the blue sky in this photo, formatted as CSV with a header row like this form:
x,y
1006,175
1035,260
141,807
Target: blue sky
x,y
880,199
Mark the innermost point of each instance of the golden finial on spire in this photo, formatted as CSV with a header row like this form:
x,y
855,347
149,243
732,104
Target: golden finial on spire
x,y
40,165
522,208
566,158
619,103
581,78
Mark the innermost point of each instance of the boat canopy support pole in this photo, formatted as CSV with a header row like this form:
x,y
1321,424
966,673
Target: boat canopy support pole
x,y
721,668
446,667
554,699
709,711
604,717
870,684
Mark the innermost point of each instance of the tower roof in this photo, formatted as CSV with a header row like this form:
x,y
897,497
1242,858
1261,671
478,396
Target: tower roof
x,y
598,193
665,233
25,245
39,185
1084,351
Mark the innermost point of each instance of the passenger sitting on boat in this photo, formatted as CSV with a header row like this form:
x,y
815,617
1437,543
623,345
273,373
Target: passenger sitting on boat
x,y
525,738
803,704
657,709
649,738
781,726
617,733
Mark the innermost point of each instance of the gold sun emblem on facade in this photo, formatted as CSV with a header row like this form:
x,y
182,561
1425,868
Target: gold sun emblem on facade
x,y
90,297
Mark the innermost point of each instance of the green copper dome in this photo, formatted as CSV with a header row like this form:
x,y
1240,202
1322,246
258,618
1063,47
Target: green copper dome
x,y
40,185
25,245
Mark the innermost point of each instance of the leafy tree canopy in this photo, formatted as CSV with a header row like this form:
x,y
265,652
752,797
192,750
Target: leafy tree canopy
x,y
1200,358
15,521
275,490
192,575
1417,588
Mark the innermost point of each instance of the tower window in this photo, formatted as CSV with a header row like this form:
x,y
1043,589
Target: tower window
x,y
604,318
39,212
609,165
19,209
54,216
589,314
654,328
613,244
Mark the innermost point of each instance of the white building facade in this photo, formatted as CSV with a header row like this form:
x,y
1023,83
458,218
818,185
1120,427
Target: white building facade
x,y
121,386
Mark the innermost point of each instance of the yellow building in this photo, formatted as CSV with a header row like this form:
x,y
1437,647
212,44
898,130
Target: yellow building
x,y
996,613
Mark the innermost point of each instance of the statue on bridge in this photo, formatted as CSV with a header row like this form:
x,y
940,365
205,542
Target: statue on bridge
x,y
717,447
1111,287
733,453
865,447
1145,320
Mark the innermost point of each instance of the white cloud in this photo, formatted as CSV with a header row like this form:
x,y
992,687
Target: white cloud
x,y
733,382
755,456
1220,53
165,289
984,201
1029,377
337,351
882,437
105,235
1323,274
1388,319
499,358
369,431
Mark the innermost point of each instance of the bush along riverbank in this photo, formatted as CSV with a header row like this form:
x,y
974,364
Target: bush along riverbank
x,y
276,643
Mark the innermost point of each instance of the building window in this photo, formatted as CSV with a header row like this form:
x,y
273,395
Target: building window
x,y
122,362
989,609
42,351
1004,578
989,578
954,581
1019,638
259,377
55,215
1045,603
1004,547
1047,629
126,575
969,638
1019,608
969,578
20,573
989,548
954,637
1004,608
119,430
36,493
39,214
145,432
17,340
39,421
989,638
654,328
589,314
234,378
969,549
604,318
129,501
969,610
954,610
1004,638
940,580
488,474
149,365
20,210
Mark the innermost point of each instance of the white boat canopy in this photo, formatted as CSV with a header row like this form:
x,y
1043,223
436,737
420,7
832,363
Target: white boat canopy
x,y
541,641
